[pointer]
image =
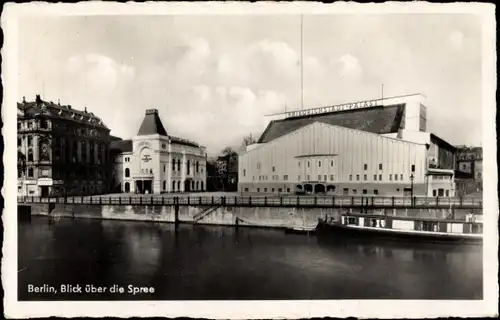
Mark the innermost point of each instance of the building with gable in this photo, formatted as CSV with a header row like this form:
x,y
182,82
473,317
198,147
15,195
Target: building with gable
x,y
61,150
154,162
378,147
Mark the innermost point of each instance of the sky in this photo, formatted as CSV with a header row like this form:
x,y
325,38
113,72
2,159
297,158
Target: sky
x,y
214,78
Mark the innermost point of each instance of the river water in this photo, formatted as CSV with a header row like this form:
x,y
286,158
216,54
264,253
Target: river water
x,y
224,263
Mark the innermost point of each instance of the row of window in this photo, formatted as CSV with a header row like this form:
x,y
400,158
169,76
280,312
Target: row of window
x,y
272,190
43,124
380,167
332,177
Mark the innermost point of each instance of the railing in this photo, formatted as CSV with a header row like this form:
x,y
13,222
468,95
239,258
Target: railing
x,y
268,201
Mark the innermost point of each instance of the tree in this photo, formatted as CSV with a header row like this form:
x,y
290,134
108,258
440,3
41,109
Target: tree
x,y
248,140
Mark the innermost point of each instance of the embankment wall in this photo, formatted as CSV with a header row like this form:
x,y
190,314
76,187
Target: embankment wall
x,y
276,217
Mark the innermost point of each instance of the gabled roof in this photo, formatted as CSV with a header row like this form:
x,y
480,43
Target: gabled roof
x,y
379,120
151,124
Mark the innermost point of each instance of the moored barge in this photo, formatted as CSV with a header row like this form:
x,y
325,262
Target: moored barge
x,y
407,228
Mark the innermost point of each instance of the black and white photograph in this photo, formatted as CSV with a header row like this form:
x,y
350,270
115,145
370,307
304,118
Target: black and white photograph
x,y
250,160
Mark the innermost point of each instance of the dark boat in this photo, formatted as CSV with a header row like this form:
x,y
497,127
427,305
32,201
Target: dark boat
x,y
403,228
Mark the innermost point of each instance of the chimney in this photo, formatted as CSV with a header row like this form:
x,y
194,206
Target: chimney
x,y
24,99
58,102
85,109
38,99
151,111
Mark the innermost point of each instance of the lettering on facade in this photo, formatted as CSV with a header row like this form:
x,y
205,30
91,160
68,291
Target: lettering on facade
x,y
146,158
342,107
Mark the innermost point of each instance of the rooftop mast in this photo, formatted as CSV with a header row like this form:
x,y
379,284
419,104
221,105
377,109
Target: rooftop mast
x,y
301,62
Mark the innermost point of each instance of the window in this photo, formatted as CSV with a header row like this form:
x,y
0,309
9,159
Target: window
x,y
197,167
179,185
260,178
274,168
164,146
319,177
287,189
164,185
258,189
299,164
19,140
244,172
354,191
390,177
308,164
401,177
434,192
350,177
30,141
30,155
265,189
375,192
395,177
308,177
380,177
331,177
375,177
331,163
319,164
246,189
345,191
164,169
412,168
365,191
285,177
173,186
357,177
365,166
325,178
30,173
151,171
272,189
298,177
380,166
280,190
188,167
365,177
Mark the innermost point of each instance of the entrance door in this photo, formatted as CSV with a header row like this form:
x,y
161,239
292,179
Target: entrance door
x,y
44,191
148,186
139,188
187,185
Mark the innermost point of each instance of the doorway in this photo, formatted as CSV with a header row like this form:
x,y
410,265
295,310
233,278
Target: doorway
x,y
44,191
187,185
144,186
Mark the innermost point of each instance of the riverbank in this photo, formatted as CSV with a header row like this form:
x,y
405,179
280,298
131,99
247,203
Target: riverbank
x,y
270,217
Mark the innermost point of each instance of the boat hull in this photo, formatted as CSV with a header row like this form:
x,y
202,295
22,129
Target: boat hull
x,y
338,230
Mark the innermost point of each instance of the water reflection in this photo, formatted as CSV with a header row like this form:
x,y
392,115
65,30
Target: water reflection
x,y
210,262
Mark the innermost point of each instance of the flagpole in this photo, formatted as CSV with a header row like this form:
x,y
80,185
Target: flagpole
x,y
301,62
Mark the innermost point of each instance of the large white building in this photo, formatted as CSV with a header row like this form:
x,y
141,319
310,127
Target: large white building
x,y
154,162
377,147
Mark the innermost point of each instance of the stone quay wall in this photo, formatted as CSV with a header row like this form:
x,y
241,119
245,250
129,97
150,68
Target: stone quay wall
x,y
272,217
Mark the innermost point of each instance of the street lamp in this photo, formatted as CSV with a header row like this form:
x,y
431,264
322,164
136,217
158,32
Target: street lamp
x,y
411,190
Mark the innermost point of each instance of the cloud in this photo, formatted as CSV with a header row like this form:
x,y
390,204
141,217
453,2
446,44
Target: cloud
x,y
98,73
350,66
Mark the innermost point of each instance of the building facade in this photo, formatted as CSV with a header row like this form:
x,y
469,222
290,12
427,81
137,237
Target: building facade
x,y
365,148
469,169
61,151
154,162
